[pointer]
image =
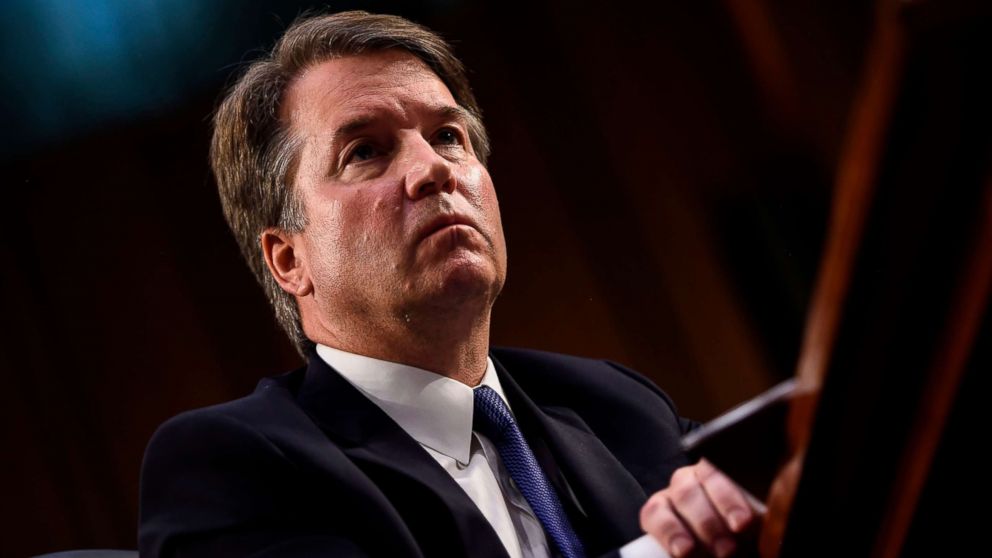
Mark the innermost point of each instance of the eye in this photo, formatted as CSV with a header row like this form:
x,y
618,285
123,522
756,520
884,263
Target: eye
x,y
363,152
448,136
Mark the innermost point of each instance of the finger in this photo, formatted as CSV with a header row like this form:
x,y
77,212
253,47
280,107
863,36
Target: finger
x,y
659,520
690,501
729,500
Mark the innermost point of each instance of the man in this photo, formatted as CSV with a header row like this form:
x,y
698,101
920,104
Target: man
x,y
351,168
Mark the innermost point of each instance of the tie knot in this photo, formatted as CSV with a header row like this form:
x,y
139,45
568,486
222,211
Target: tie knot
x,y
492,417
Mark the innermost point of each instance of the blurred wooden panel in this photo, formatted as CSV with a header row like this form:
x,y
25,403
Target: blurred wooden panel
x,y
902,294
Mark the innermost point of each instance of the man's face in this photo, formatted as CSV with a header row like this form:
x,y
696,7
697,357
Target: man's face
x,y
402,217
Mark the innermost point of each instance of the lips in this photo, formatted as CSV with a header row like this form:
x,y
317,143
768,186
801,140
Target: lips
x,y
443,221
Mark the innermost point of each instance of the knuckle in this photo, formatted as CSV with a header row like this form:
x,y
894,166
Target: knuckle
x,y
706,472
705,468
682,476
721,489
682,496
662,523
655,504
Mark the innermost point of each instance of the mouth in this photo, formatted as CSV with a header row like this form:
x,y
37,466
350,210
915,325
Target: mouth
x,y
442,222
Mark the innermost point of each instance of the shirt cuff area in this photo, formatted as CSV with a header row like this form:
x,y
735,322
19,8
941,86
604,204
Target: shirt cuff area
x,y
644,547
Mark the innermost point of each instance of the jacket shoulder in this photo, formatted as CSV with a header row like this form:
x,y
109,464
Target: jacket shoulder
x,y
547,371
211,476
632,416
272,397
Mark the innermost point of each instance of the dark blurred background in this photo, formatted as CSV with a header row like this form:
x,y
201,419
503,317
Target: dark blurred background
x,y
664,173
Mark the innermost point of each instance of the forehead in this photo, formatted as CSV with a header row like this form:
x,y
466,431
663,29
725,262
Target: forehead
x,y
392,81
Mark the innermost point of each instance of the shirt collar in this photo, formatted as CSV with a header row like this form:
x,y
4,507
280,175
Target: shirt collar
x,y
434,410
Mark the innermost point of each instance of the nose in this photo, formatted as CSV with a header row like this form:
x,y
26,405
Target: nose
x,y
428,172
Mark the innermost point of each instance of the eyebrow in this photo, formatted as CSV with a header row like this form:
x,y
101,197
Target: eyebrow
x,y
362,121
454,112
351,127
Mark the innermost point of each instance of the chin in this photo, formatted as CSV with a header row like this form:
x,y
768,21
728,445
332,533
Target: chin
x,y
461,282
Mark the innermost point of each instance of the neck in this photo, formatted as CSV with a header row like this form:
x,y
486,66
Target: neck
x,y
455,346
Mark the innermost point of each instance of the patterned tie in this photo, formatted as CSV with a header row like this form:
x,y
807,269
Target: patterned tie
x,y
492,418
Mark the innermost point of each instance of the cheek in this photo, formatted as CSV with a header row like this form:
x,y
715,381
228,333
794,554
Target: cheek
x,y
477,187
326,225
491,203
325,241
472,181
370,221
480,193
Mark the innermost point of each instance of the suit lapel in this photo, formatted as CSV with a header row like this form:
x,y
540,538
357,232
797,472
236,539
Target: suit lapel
x,y
429,500
607,494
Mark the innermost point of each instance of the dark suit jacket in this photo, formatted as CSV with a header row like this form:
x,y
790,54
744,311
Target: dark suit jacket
x,y
308,466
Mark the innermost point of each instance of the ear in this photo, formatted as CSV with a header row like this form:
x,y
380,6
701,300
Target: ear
x,y
286,259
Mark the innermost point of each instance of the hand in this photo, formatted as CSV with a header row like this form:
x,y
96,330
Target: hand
x,y
701,513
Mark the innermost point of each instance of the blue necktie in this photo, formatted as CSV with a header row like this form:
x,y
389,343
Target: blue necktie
x,y
493,419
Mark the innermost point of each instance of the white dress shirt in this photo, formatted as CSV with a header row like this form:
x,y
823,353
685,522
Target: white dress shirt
x,y
436,411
